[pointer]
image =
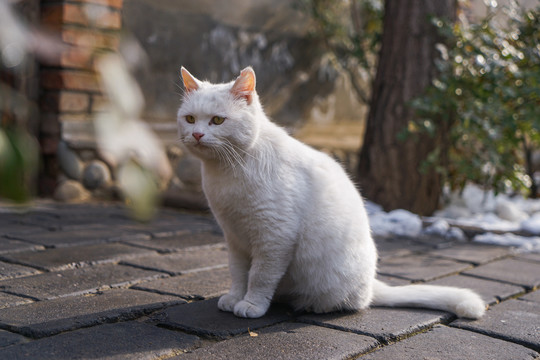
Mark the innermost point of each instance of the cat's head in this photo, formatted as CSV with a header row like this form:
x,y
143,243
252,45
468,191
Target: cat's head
x,y
216,120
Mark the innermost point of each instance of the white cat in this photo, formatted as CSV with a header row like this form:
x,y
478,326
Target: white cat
x,y
294,223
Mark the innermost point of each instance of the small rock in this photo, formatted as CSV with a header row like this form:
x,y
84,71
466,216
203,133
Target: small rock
x,y
96,175
70,191
69,162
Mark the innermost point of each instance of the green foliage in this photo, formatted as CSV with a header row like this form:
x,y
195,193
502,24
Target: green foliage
x,y
18,162
488,94
350,31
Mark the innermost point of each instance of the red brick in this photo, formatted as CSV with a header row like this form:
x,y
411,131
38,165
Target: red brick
x,y
117,4
56,15
99,103
65,101
76,57
89,39
70,80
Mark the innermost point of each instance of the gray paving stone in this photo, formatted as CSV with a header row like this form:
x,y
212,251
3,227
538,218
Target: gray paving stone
x,y
491,291
533,296
205,319
128,340
76,256
384,324
7,300
288,341
176,243
418,267
513,320
198,285
395,247
530,257
79,236
441,343
515,271
46,318
8,338
184,262
393,280
473,253
76,281
177,225
11,246
8,271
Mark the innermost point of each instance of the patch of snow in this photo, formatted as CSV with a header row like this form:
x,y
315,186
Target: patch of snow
x,y
488,222
396,222
508,210
532,224
439,228
523,243
474,207
372,208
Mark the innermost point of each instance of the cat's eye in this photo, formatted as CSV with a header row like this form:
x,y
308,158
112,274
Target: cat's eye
x,y
218,120
190,119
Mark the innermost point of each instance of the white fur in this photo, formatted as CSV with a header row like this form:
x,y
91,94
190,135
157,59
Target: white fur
x,y
296,226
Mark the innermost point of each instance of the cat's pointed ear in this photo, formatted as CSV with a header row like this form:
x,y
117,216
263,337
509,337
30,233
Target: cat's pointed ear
x,y
190,82
244,86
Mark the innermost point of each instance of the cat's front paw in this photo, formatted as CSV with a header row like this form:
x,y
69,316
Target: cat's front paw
x,y
227,302
246,309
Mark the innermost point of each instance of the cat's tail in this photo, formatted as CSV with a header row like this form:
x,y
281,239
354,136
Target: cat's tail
x,y
462,302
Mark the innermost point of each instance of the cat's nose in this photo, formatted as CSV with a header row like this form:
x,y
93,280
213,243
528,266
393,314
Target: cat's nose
x,y
197,136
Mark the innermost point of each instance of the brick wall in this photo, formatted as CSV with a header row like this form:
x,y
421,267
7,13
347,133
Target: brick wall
x,y
70,91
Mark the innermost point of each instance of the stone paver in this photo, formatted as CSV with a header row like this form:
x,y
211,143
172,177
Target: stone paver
x,y
8,338
288,341
10,246
198,285
85,281
205,319
443,343
80,235
384,324
473,253
491,291
183,262
515,271
7,300
176,243
76,256
177,226
529,257
534,296
513,320
46,318
389,247
417,267
76,281
8,271
129,340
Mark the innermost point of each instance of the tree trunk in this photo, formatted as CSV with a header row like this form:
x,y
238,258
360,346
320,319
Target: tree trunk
x,y
389,168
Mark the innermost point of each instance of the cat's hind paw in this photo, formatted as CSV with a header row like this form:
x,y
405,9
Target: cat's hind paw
x,y
227,302
246,309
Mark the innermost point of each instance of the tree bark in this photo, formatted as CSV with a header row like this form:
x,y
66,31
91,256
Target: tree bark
x,y
389,168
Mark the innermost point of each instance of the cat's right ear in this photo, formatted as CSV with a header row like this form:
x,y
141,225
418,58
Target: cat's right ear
x,y
190,82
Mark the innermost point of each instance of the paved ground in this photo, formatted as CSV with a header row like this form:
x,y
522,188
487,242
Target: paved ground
x,y
85,281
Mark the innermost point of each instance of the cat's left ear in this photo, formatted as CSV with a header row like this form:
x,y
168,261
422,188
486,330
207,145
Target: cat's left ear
x,y
190,82
244,86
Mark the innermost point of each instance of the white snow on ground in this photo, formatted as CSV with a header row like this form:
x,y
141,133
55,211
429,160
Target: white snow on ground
x,y
474,207
523,243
